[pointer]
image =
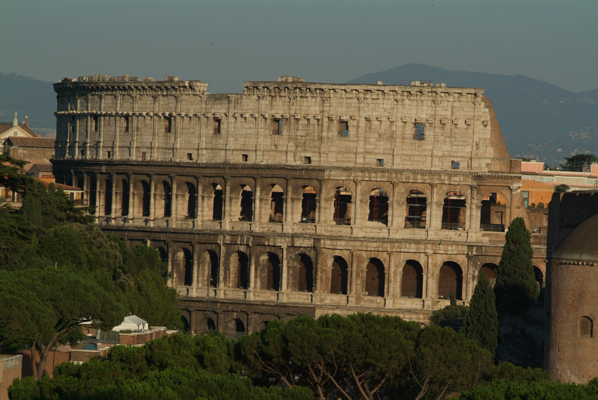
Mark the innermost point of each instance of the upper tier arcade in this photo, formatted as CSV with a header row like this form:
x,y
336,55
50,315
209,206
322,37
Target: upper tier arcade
x,y
288,122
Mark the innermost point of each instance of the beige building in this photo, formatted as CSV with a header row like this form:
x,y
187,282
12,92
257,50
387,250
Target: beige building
x,y
294,197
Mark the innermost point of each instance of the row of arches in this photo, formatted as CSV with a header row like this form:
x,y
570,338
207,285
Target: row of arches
x,y
492,217
302,276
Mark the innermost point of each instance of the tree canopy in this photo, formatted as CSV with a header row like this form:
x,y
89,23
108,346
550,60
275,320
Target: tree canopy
x,y
516,288
577,161
481,323
57,270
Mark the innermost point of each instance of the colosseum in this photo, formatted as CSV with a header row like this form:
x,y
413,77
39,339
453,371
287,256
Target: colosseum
x,y
295,197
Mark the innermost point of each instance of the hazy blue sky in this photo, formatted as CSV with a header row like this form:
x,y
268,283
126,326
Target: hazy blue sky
x,y
226,42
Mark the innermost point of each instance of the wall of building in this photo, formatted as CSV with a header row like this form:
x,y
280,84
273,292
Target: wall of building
x,y
296,196
10,369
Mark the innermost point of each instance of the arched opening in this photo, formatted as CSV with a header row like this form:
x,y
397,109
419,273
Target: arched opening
x,y
239,270
246,204
453,211
490,270
183,268
142,199
342,206
305,274
210,267
210,324
262,326
378,206
186,326
163,254
124,206
416,210
450,280
276,204
239,326
539,275
586,327
93,193
108,197
339,276
412,280
374,278
217,208
270,272
191,201
308,205
492,212
166,199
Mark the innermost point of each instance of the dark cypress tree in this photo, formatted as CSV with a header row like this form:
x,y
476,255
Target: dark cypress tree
x,y
481,323
516,288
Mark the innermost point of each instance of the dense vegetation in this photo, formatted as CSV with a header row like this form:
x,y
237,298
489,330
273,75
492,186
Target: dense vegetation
x,y
58,270
362,356
516,287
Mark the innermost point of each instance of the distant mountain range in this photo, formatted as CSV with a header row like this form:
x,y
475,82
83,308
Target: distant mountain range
x,y
537,119
29,97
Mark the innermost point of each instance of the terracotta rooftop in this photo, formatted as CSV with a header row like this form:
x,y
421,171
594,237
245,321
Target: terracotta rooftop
x,y
31,142
4,126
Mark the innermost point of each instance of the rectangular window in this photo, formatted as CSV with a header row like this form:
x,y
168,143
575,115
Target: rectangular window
x,y
95,123
343,128
455,164
167,124
126,124
525,196
108,154
277,127
244,157
380,162
217,126
306,160
420,132
189,156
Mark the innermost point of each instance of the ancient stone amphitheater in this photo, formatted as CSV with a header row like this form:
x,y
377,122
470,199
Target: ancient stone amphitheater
x,y
294,197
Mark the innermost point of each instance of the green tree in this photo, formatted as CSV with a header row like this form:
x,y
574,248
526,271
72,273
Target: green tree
x,y
481,323
57,301
445,361
516,288
577,161
452,312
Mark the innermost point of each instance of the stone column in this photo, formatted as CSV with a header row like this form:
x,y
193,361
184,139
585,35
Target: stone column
x,y
198,195
514,191
152,183
251,287
227,204
430,283
113,205
394,221
434,209
288,208
132,196
320,203
389,281
257,201
284,275
174,201
475,207
220,290
352,281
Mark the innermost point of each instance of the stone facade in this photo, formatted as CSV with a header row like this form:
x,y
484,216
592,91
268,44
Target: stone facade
x,y
294,197
572,287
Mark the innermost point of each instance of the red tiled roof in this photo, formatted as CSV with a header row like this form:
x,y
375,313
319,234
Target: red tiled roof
x,y
4,127
64,187
31,142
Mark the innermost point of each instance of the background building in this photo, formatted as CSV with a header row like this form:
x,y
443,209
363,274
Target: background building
x,y
295,197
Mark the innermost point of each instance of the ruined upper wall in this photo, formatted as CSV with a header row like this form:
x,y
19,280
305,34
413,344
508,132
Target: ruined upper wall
x,y
420,126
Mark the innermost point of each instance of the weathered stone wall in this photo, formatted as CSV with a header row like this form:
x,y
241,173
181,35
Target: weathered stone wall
x,y
293,196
